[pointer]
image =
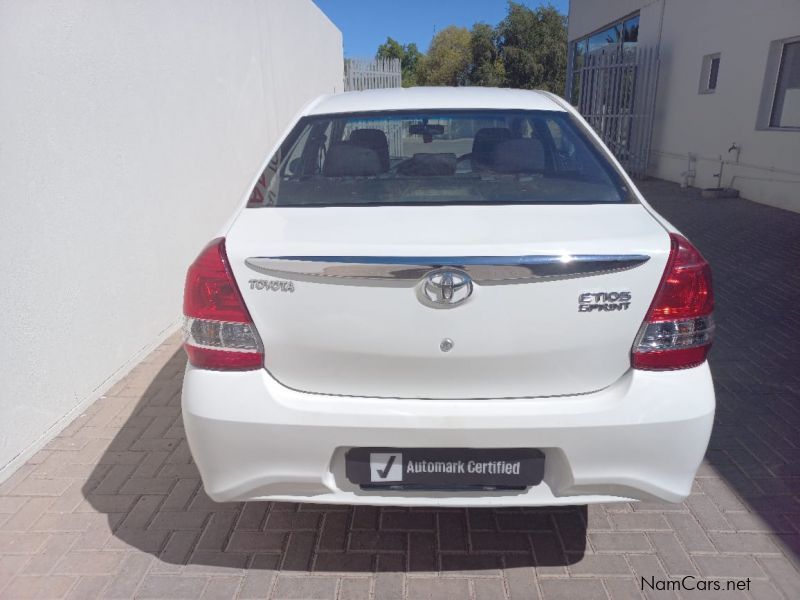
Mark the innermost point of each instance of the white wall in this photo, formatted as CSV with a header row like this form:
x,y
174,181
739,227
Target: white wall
x,y
129,131
768,169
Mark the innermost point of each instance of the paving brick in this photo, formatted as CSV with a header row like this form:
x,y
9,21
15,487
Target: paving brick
x,y
489,589
89,562
139,539
334,531
130,574
408,520
500,541
293,521
12,542
252,516
89,586
298,554
378,540
344,562
33,586
623,589
354,588
260,577
171,587
389,586
289,587
437,588
618,541
728,566
639,521
453,531
689,532
30,510
521,582
744,543
256,541
555,589
782,575
222,588
41,487
537,521
707,513
673,556
56,546
473,565
11,504
213,562
600,565
217,531
191,520
422,552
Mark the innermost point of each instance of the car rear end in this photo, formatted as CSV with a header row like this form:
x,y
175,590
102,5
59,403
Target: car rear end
x,y
428,305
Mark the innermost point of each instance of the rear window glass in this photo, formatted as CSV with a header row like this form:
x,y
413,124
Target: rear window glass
x,y
438,157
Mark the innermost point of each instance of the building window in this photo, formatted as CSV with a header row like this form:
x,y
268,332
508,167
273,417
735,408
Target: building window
x,y
780,96
786,108
709,72
619,36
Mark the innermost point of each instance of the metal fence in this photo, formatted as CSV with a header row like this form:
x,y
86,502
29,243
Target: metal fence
x,y
616,95
362,74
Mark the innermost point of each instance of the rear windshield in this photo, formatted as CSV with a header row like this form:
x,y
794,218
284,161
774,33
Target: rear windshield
x,y
438,157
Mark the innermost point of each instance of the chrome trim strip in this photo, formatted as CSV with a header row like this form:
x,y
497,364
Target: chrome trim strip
x,y
406,271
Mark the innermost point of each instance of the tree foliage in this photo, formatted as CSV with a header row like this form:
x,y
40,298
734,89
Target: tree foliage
x,y
487,66
448,59
527,49
408,54
533,44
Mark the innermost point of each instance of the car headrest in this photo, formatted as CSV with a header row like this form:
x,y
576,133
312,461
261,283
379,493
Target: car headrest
x,y
521,155
345,159
486,140
374,139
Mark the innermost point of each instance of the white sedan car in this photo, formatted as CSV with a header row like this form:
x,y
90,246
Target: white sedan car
x,y
447,297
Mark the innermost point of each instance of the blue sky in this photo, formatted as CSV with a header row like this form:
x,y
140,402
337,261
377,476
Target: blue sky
x,y
366,24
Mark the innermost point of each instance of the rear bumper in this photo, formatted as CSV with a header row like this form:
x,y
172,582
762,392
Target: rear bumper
x,y
641,438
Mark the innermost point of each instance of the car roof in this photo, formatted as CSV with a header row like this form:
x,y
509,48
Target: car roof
x,y
416,98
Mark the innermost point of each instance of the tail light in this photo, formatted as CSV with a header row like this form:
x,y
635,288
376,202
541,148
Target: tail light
x,y
679,327
218,331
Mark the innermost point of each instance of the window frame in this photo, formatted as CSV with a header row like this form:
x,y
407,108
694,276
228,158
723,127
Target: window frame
x,y
618,178
769,88
706,71
584,39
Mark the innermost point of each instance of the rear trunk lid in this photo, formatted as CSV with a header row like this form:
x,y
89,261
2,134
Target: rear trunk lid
x,y
374,301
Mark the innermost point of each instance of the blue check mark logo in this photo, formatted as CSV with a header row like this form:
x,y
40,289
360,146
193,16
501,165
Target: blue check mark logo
x,y
385,467
385,472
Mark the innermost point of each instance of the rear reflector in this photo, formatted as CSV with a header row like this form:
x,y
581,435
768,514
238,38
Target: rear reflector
x,y
218,331
679,327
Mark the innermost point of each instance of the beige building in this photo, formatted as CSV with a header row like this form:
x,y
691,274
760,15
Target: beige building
x,y
726,98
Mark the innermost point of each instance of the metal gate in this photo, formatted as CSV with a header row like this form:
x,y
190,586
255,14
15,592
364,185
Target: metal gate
x,y
370,74
617,97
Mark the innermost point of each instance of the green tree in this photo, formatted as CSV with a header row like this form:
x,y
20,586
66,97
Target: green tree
x,y
533,47
486,67
448,59
408,55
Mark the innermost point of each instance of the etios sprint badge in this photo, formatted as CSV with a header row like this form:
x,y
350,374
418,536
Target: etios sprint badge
x,y
604,301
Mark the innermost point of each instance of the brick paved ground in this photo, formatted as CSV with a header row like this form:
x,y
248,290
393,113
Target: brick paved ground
x,y
113,506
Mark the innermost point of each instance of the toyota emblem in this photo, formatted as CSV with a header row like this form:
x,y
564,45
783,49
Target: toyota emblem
x,y
445,288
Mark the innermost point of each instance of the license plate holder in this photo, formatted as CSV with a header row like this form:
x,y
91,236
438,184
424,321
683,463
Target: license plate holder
x,y
444,468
